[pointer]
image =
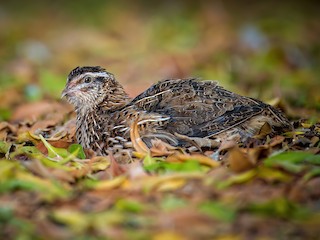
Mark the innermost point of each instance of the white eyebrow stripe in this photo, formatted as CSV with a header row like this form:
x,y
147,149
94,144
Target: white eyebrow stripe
x,y
95,74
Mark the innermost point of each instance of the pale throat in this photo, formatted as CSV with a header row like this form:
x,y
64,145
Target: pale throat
x,y
88,127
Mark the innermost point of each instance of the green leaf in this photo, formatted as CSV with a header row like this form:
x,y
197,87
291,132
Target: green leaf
x,y
4,147
171,202
294,157
49,163
218,211
187,166
237,179
6,213
292,161
272,174
77,148
24,150
314,172
313,159
13,176
51,83
279,207
8,170
129,205
60,154
5,114
76,220
54,152
14,184
148,160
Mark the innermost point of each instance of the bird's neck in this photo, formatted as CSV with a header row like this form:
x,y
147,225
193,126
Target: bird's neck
x,y
116,99
91,121
87,127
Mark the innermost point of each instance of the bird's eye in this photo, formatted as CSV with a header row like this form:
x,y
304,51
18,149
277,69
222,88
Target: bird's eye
x,y
87,80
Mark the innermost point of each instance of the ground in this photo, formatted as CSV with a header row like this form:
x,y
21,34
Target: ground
x,y
51,188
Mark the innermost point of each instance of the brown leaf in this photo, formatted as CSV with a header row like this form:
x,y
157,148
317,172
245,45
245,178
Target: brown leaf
x,y
264,131
115,168
276,141
37,109
239,160
227,144
242,159
5,129
43,125
58,144
160,148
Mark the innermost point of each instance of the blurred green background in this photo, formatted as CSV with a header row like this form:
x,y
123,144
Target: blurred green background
x,y
264,49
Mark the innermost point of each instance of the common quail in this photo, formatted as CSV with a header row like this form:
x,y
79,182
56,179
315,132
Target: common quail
x,y
176,111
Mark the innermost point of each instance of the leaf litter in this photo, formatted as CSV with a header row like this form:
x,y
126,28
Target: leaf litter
x,y
164,190
51,188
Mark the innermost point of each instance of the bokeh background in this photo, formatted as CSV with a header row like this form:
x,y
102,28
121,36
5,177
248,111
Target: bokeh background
x,y
264,49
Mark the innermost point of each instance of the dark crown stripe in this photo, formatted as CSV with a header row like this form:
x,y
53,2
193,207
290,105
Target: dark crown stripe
x,y
80,70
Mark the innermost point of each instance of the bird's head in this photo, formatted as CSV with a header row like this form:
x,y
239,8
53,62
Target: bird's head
x,y
88,86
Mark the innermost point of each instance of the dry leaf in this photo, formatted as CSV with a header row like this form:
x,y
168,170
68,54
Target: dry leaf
x,y
202,159
160,148
242,159
264,131
57,144
168,236
110,184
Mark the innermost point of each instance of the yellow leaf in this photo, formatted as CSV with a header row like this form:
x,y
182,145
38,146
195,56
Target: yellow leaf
x,y
172,184
168,235
27,136
77,221
110,184
155,182
274,102
100,163
139,155
204,160
306,125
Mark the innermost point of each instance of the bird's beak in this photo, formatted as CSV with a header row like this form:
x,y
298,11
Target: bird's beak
x,y
65,92
69,90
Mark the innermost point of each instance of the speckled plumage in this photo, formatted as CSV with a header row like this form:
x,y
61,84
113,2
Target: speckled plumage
x,y
171,110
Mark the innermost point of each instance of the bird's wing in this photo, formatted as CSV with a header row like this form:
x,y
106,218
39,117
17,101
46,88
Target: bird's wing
x,y
197,108
230,119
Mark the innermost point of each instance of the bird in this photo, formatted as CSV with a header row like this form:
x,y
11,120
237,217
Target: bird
x,y
179,112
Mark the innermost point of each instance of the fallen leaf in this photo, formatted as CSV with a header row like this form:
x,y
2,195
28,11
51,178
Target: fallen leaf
x,y
37,109
160,148
168,235
237,179
110,184
5,129
57,144
239,160
202,159
218,211
264,131
242,159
